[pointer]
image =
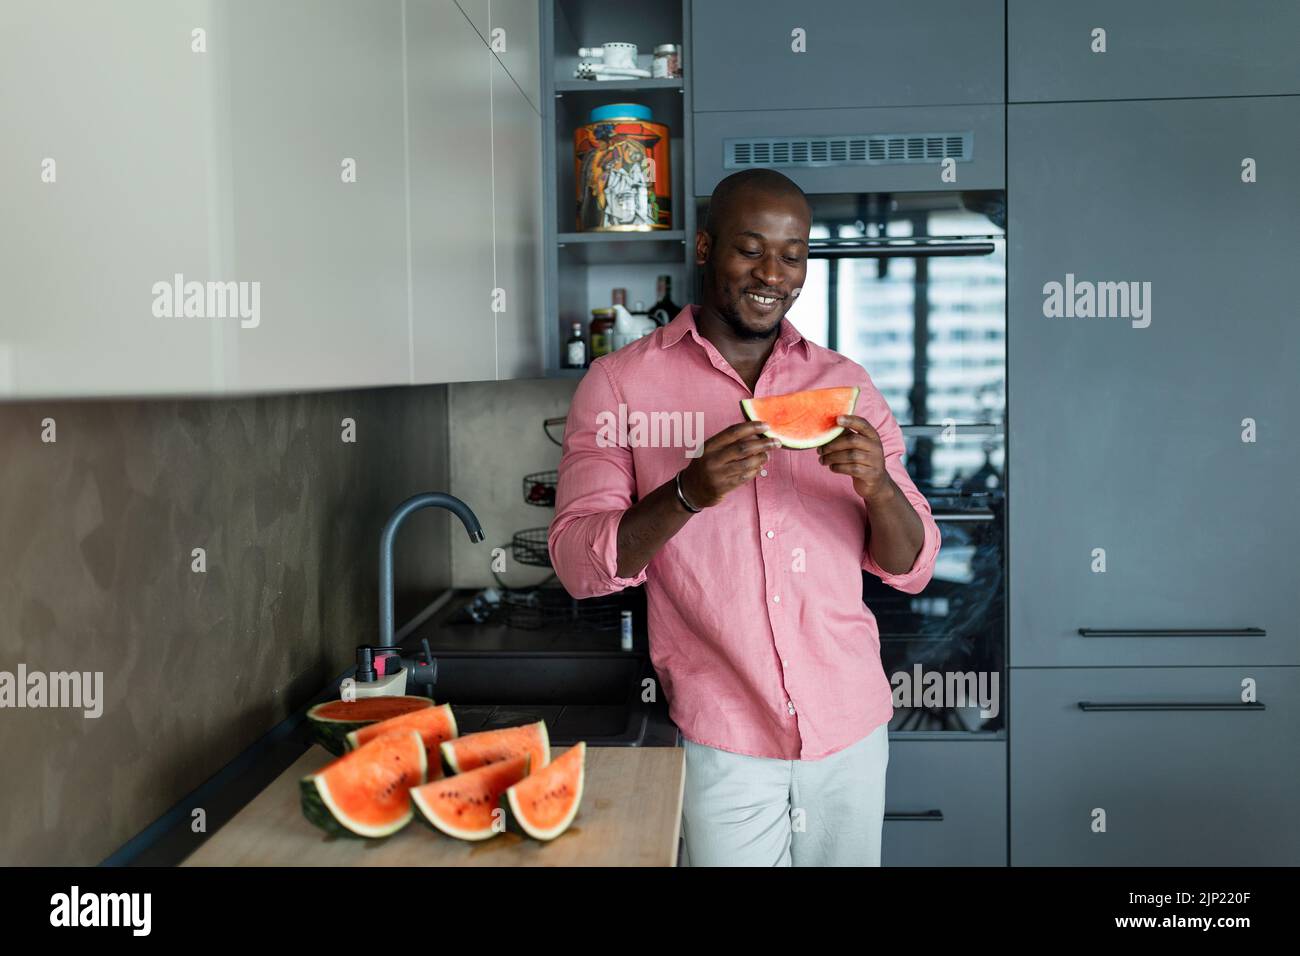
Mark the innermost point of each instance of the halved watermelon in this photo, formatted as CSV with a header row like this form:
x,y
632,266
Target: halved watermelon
x,y
367,792
434,725
464,806
491,746
332,721
803,419
545,803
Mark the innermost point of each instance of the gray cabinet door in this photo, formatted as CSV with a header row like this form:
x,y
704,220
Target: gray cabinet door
x,y
945,803
898,142
1158,786
856,53
1156,48
1125,442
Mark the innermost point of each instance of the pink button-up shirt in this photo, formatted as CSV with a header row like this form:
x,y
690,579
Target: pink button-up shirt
x,y
757,626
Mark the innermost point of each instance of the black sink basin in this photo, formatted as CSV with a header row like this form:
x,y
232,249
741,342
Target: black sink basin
x,y
582,695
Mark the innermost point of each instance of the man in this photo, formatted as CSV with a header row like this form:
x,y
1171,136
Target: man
x,y
751,554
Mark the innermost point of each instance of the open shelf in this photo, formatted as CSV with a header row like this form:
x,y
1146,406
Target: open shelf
x,y
583,267
616,86
609,248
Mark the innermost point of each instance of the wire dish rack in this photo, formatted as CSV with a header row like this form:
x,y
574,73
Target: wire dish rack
x,y
529,547
538,608
539,488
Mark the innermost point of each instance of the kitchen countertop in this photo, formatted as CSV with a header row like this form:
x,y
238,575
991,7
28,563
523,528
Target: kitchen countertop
x,y
630,816
231,790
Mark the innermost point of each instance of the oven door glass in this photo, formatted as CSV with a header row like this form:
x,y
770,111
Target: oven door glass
x,y
913,288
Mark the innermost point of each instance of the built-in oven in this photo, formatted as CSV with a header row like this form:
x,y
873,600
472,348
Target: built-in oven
x,y
912,286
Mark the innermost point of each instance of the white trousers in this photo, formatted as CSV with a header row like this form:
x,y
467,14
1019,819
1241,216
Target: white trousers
x,y
756,811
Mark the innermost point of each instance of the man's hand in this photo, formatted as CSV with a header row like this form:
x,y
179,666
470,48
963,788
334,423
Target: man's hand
x,y
859,453
730,458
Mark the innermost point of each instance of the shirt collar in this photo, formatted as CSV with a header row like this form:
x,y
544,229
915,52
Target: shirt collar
x,y
684,323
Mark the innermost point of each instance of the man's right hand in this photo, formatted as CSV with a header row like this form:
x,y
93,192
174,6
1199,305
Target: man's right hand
x,y
729,459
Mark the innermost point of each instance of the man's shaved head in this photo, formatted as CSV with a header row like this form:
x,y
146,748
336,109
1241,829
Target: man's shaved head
x,y
735,188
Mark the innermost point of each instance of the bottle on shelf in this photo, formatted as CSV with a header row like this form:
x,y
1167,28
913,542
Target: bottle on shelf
x,y
601,329
665,310
575,350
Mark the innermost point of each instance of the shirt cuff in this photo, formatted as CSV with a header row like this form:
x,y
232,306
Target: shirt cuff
x,y
604,549
912,581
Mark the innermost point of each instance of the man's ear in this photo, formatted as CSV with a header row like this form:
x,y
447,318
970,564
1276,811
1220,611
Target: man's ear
x,y
703,246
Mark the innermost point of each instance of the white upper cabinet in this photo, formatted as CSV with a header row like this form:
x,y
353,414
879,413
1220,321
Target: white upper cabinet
x,y
517,213
318,186
449,71
231,196
106,190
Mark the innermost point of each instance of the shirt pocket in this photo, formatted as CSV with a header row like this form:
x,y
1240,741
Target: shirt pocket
x,y
809,477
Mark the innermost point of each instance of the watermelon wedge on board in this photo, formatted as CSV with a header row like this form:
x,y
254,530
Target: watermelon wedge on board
x,y
803,419
467,806
367,792
434,724
491,746
544,804
332,721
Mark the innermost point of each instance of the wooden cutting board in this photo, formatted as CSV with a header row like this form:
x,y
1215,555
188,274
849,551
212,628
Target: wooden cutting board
x,y
630,816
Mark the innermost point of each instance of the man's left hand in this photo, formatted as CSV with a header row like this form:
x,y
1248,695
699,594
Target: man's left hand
x,y
859,454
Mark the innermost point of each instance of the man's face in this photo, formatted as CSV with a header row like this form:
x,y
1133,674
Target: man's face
x,y
757,265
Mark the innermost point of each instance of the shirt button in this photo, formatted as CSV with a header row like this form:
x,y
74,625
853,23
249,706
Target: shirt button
x,y
771,534
776,599
785,663
762,472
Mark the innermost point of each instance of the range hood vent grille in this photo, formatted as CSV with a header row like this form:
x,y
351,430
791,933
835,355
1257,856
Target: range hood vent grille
x,y
869,149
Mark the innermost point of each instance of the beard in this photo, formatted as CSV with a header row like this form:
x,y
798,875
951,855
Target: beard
x,y
729,311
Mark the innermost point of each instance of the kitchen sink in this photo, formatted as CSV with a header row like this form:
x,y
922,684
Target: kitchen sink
x,y
582,695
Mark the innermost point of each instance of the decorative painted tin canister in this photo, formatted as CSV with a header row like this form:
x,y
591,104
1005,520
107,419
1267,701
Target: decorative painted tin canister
x,y
621,171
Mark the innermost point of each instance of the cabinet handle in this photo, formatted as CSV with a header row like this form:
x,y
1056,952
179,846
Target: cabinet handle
x,y
922,816
981,515
1142,705
1173,632
893,248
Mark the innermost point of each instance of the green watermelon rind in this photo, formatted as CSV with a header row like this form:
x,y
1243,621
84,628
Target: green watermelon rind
x,y
825,438
350,738
331,732
448,747
425,814
517,820
319,808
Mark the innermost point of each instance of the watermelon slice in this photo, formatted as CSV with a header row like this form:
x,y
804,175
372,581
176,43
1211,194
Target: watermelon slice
x,y
545,803
332,721
465,806
491,746
434,724
803,419
367,792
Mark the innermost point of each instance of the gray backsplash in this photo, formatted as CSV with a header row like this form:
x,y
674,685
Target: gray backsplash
x,y
496,438
97,531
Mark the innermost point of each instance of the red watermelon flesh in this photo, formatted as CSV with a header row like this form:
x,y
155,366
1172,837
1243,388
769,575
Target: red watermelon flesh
x,y
466,806
545,803
803,419
367,792
491,746
434,725
332,721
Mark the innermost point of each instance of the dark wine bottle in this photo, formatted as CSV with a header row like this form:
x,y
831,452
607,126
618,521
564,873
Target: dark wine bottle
x,y
665,310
